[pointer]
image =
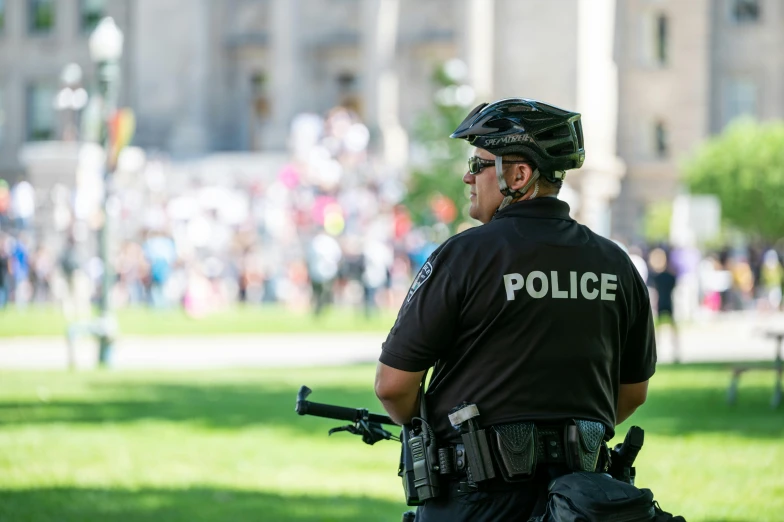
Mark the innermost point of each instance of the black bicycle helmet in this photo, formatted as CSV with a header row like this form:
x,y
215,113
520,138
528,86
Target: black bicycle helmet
x,y
551,137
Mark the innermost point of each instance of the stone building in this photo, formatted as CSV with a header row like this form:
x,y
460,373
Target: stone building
x,y
686,69
651,77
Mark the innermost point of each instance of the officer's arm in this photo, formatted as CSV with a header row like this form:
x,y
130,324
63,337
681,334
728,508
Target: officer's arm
x,y
398,392
630,397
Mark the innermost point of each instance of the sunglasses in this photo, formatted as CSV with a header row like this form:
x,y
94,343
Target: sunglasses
x,y
477,164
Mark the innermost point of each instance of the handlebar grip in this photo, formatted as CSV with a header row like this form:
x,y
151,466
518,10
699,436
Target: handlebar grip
x,y
329,411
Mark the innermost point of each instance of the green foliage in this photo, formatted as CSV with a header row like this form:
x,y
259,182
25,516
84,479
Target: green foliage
x,y
744,168
657,221
444,159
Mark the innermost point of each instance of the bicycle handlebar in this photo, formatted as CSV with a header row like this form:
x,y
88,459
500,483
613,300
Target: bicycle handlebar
x,y
305,407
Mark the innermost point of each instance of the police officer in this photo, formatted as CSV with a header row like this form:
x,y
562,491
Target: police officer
x,y
530,316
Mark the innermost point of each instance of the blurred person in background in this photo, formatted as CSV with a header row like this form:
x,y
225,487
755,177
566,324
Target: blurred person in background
x,y
42,267
499,314
742,290
351,269
20,270
197,299
635,254
251,277
714,281
323,261
5,269
5,204
664,281
771,279
377,259
69,261
132,271
160,254
23,205
75,289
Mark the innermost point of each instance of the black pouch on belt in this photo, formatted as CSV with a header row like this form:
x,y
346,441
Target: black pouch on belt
x,y
515,448
584,442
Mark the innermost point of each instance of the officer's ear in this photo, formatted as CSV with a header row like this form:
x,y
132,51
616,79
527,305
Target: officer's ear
x,y
521,174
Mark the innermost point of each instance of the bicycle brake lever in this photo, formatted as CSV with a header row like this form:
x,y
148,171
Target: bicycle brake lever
x,y
349,428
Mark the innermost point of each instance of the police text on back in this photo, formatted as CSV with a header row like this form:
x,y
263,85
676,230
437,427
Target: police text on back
x,y
560,286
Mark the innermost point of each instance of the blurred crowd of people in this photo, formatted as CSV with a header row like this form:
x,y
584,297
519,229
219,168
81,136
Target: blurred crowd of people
x,y
713,280
327,227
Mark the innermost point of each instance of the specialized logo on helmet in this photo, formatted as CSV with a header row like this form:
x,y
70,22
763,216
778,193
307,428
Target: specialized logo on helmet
x,y
512,138
422,276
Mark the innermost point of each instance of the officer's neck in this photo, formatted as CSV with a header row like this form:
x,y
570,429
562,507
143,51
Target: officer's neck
x,y
541,195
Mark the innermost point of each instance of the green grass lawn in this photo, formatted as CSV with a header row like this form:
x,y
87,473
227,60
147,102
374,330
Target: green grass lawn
x,y
227,446
49,321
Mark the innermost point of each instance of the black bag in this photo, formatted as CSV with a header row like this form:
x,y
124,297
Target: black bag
x,y
597,497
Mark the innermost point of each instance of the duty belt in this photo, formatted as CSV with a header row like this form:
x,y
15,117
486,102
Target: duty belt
x,y
551,449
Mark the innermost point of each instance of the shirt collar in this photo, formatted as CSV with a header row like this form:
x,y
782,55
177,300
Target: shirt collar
x,y
551,208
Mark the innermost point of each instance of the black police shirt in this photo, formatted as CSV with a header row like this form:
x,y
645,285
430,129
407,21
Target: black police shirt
x,y
530,316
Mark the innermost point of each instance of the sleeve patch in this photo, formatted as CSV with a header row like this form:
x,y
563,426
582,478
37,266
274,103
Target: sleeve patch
x,y
422,276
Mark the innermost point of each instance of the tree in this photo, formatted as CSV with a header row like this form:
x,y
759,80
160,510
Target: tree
x,y
435,191
744,168
657,222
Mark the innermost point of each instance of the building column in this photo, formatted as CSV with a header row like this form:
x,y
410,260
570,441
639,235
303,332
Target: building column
x,y
380,80
476,46
190,136
283,72
597,99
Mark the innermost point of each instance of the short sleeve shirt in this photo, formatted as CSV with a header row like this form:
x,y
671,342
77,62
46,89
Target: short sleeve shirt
x,y
531,316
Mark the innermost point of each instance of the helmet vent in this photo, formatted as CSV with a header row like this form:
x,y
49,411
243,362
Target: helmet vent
x,y
561,150
578,127
561,131
502,124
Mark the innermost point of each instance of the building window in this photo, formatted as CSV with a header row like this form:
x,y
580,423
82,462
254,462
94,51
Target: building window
x,y
661,140
91,12
347,82
258,86
347,91
745,11
41,117
261,110
662,40
741,99
41,16
655,39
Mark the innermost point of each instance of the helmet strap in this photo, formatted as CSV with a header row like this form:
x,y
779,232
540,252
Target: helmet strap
x,y
509,194
502,186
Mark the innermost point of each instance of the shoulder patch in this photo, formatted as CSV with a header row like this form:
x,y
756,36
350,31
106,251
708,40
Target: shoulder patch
x,y
422,276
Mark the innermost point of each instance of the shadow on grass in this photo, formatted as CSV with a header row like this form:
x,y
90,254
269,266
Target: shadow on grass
x,y
219,406
190,505
689,411
674,409
200,504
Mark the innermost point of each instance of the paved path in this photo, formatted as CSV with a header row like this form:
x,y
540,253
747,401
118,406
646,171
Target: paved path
x,y
722,338
198,352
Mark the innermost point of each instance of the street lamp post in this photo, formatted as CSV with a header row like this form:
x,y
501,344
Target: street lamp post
x,y
106,46
71,99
